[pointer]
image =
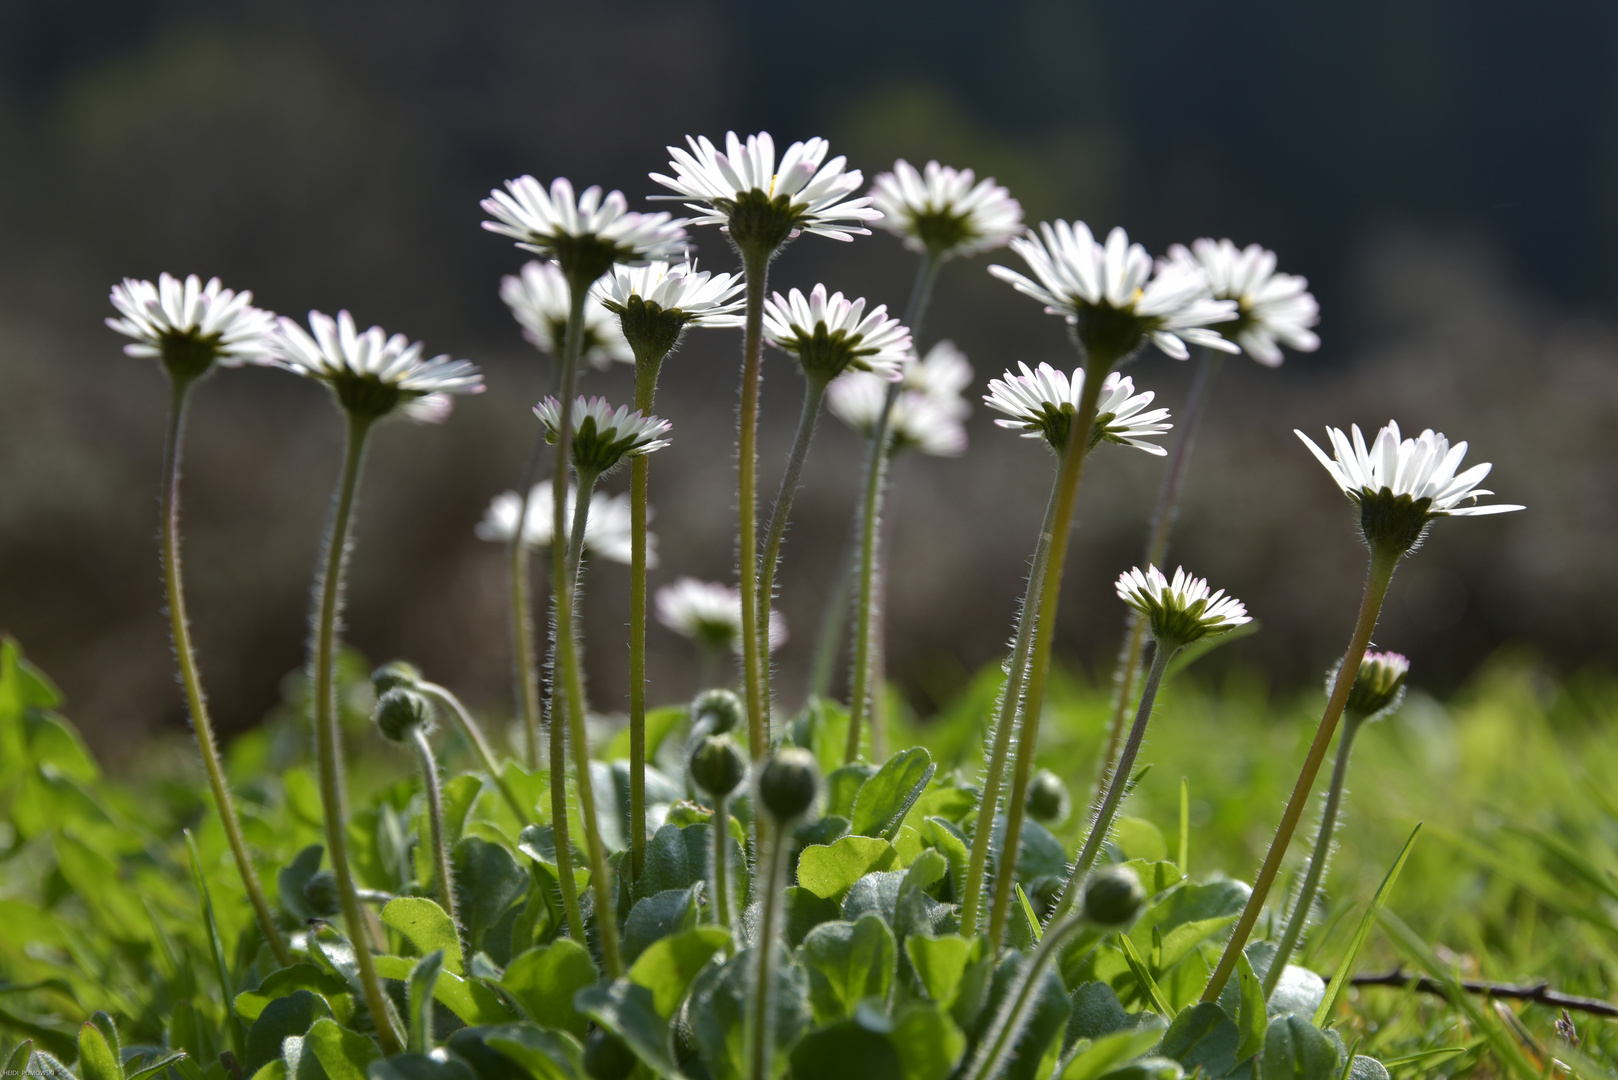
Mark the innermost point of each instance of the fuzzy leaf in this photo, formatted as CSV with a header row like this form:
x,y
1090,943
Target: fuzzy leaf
x,y
829,871
544,980
427,927
847,963
344,1054
669,965
884,799
1294,1049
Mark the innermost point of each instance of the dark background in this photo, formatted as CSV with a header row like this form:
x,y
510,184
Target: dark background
x,y
1442,171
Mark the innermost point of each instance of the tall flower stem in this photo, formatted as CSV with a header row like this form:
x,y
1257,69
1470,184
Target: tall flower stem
x,y
756,269
1013,1015
814,392
760,1044
1317,860
1383,563
1101,824
570,679
1006,719
191,678
480,745
435,815
721,869
1157,545
524,661
328,737
1074,455
639,468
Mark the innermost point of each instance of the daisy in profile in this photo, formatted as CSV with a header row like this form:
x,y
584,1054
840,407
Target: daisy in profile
x,y
829,334
603,436
656,302
1043,402
606,533
538,299
710,614
917,421
372,373
586,233
945,212
1272,309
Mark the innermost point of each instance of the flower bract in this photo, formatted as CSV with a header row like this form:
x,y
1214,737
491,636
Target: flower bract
x,y
370,372
656,302
190,326
1179,611
945,211
1043,402
1379,686
830,334
606,530
710,614
538,299
603,436
1271,309
585,234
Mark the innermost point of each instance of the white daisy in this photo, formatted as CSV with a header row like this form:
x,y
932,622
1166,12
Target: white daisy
x,y
1179,611
538,300
710,614
831,334
602,436
917,421
1271,309
1042,403
946,211
191,326
1109,293
942,375
701,298
1379,685
370,372
1419,470
587,234
761,203
606,530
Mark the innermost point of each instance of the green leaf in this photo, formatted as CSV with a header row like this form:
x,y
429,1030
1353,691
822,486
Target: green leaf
x,y
1108,1051
1203,1037
721,1010
546,1055
487,882
163,1062
544,980
843,787
1423,1055
929,1043
468,999
1252,1018
658,916
284,981
1041,1035
290,1015
427,927
292,877
419,1067
295,1063
628,1011
829,871
848,962
1138,838
1366,1068
423,977
97,1059
668,966
886,797
939,964
848,1051
1294,1049
947,840
17,1063
660,724
1156,877
1143,975
234,1025
1345,967
344,1054
803,911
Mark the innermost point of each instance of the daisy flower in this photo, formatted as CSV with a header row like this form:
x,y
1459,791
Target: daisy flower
x,y
942,375
370,372
829,335
606,529
945,211
1379,685
656,302
917,421
1271,309
762,203
1041,403
538,299
1179,611
586,234
710,614
1401,485
1110,295
191,326
602,436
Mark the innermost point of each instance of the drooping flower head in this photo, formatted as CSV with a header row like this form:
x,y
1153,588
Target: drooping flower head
x,y
760,204
602,436
1271,309
606,529
538,299
1042,404
656,302
945,211
190,326
371,373
1112,298
1400,486
586,234
710,614
917,421
1179,611
1379,686
831,334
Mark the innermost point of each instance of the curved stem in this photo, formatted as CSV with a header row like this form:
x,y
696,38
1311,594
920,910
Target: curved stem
x,y
1009,1022
480,745
760,1046
756,268
1074,456
1157,545
435,814
645,391
1317,860
328,738
1101,824
1005,721
524,661
814,392
721,868
191,678
1383,564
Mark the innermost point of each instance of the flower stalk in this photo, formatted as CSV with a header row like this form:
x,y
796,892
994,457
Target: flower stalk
x,y
480,746
814,394
435,817
755,269
639,474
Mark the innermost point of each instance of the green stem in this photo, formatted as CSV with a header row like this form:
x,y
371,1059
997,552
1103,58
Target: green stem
x,y
756,268
435,816
328,737
1157,546
814,392
480,745
191,678
760,1045
1317,861
1006,720
1101,824
721,868
1076,452
1013,1016
1383,563
522,611
645,391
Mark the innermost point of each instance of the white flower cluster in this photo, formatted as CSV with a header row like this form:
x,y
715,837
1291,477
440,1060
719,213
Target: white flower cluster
x,y
606,528
929,414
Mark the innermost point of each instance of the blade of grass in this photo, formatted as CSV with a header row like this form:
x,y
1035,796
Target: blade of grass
x,y
1423,1055
1346,968
232,1021
1185,826
1144,976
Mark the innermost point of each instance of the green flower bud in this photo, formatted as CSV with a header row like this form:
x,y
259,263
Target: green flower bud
x,y
395,673
320,893
718,765
606,1057
1047,797
1113,896
722,710
1379,686
789,783
399,712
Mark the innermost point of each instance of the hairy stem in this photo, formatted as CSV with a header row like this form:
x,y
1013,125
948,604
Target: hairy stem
x,y
760,1045
524,661
814,392
328,737
639,468
721,869
1383,563
480,745
756,268
191,678
435,815
1013,1015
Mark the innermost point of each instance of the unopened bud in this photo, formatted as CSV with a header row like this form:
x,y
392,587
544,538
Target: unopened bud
x,y
1047,797
721,709
1379,686
395,673
718,765
1113,896
789,783
606,1057
320,893
399,712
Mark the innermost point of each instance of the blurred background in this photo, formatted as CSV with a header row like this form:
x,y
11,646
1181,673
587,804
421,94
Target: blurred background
x,y
1442,171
